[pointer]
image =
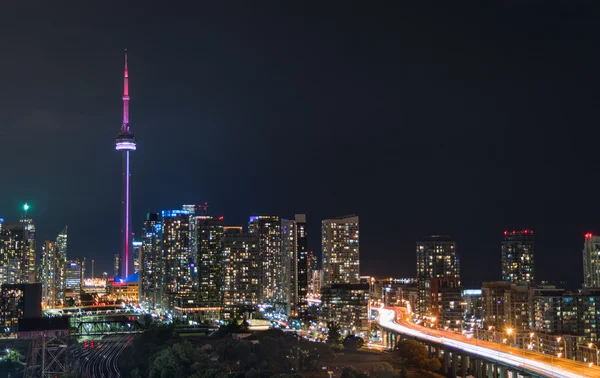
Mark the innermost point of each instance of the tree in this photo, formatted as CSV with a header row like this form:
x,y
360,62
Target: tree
x,y
431,364
383,370
403,372
333,333
411,353
353,342
352,372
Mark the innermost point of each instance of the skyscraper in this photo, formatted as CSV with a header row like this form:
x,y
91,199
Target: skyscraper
x,y
137,248
518,250
241,284
17,251
125,142
48,275
151,261
267,229
176,277
61,259
438,275
294,269
209,235
591,261
74,272
340,250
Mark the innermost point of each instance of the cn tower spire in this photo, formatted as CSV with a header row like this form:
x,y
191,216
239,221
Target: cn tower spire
x,y
125,143
125,126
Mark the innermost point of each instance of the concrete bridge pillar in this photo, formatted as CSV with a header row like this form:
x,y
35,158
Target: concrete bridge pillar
x,y
502,372
464,365
491,370
477,368
446,361
454,364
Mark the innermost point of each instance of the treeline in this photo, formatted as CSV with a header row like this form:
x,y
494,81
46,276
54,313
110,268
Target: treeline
x,y
160,353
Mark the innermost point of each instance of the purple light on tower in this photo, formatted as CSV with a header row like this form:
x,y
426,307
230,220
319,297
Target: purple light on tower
x,y
125,142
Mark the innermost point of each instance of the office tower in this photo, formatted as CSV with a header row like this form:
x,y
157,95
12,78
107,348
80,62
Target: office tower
x,y
438,275
209,234
518,250
137,248
125,143
176,277
294,272
117,264
242,268
74,273
268,230
591,261
340,251
48,275
151,260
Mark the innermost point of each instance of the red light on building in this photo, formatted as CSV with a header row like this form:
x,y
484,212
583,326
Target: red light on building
x,y
221,217
588,235
505,232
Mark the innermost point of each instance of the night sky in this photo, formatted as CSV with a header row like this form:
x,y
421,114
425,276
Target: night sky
x,y
463,121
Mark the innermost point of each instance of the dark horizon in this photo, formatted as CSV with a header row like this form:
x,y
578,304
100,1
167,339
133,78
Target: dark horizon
x,y
449,119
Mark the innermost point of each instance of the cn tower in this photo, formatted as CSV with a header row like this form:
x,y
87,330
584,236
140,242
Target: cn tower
x,y
125,142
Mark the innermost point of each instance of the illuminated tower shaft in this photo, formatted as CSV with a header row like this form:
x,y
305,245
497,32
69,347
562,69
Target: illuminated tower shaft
x,y
125,142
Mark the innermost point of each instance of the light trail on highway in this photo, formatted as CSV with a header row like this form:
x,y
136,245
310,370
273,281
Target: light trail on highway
x,y
525,360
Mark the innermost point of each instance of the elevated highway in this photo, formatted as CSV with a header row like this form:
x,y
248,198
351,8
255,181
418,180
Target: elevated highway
x,y
477,357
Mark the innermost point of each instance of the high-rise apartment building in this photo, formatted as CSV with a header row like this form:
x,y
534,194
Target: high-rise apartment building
x,y
518,250
60,246
137,249
209,235
438,275
591,261
151,260
242,271
48,274
267,229
294,269
177,275
340,250
17,251
117,264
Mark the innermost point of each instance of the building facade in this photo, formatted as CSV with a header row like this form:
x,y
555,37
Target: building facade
x,y
210,269
591,261
518,251
267,228
438,276
340,250
242,271
348,306
176,259
294,273
150,275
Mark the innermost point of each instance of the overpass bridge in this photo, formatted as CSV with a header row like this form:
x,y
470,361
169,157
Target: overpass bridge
x,y
477,357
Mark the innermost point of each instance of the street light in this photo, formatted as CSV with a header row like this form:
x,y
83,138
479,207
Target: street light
x,y
558,339
531,336
590,345
509,332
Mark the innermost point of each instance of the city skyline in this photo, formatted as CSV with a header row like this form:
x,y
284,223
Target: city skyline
x,y
396,114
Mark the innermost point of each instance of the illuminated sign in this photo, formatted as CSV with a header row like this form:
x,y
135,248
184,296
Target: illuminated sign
x,y
173,213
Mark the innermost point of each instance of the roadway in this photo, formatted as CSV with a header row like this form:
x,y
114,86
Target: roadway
x,y
101,360
520,358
